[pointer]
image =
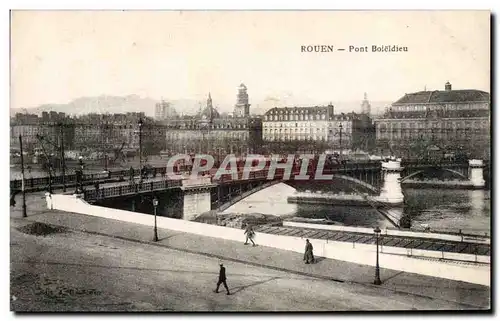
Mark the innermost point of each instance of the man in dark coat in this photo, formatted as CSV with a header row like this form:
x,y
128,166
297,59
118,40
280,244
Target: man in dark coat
x,y
222,279
131,173
250,233
308,255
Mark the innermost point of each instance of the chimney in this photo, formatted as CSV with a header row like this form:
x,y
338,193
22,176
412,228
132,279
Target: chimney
x,y
447,86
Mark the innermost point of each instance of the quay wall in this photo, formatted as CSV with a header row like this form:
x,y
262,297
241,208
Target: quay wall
x,y
390,258
411,183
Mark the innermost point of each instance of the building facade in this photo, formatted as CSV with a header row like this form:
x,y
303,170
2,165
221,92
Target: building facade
x,y
92,135
109,133
317,124
50,127
450,121
209,132
164,111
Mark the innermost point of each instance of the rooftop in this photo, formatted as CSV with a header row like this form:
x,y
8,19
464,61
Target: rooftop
x,y
444,96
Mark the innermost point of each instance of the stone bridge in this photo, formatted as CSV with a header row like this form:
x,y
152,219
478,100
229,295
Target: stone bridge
x,y
195,195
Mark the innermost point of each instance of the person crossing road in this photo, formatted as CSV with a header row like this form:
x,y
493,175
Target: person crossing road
x,y
222,279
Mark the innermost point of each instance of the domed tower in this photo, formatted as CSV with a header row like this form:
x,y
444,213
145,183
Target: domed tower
x,y
242,107
365,106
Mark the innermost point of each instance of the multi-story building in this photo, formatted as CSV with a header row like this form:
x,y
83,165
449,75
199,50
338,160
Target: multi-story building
x,y
209,132
107,133
50,127
449,121
93,135
317,124
164,111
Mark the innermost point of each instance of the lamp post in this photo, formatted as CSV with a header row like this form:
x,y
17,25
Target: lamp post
x,y
155,205
340,138
377,268
22,176
80,181
48,159
63,162
140,123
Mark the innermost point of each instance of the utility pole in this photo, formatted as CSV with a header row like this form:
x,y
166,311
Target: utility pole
x,y
140,150
22,176
63,162
49,163
340,140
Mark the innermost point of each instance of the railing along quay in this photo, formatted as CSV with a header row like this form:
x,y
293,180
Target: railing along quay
x,y
416,243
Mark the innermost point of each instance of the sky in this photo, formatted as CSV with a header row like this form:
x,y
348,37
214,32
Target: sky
x,y
58,56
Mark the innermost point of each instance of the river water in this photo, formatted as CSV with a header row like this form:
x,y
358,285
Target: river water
x,y
440,209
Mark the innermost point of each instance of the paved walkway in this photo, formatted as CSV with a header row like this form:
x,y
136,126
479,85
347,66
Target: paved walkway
x,y
473,295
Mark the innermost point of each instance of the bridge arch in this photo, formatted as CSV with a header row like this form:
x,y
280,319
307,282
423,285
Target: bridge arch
x,y
443,169
254,190
267,184
358,181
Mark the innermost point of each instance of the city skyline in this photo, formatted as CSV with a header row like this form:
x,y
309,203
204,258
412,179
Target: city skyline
x,y
188,54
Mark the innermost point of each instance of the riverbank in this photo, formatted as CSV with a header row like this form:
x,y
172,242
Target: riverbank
x,y
450,184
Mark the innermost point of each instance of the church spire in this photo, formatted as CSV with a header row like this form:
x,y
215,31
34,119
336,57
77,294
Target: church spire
x,y
209,101
365,105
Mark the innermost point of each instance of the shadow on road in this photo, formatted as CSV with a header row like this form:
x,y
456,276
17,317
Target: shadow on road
x,y
392,277
243,287
140,269
318,259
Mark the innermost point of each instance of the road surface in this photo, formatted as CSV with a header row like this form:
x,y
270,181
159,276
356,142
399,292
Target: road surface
x,y
77,271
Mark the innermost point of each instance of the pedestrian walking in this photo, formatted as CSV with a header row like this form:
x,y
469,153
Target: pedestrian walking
x,y
250,233
308,255
96,186
131,173
222,279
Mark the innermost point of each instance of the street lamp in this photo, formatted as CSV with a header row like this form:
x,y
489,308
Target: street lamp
x,y
49,163
340,138
22,176
80,176
377,268
140,123
155,205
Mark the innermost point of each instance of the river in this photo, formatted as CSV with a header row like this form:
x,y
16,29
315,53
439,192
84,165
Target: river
x,y
440,209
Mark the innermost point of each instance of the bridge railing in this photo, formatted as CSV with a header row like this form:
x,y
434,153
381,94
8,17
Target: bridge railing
x,y
33,182
280,173
129,189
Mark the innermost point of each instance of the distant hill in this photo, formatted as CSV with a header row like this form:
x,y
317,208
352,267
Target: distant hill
x,y
101,105
110,104
134,103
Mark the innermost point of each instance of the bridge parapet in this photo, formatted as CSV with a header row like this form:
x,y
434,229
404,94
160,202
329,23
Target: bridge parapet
x,y
476,173
196,181
391,192
476,163
392,166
